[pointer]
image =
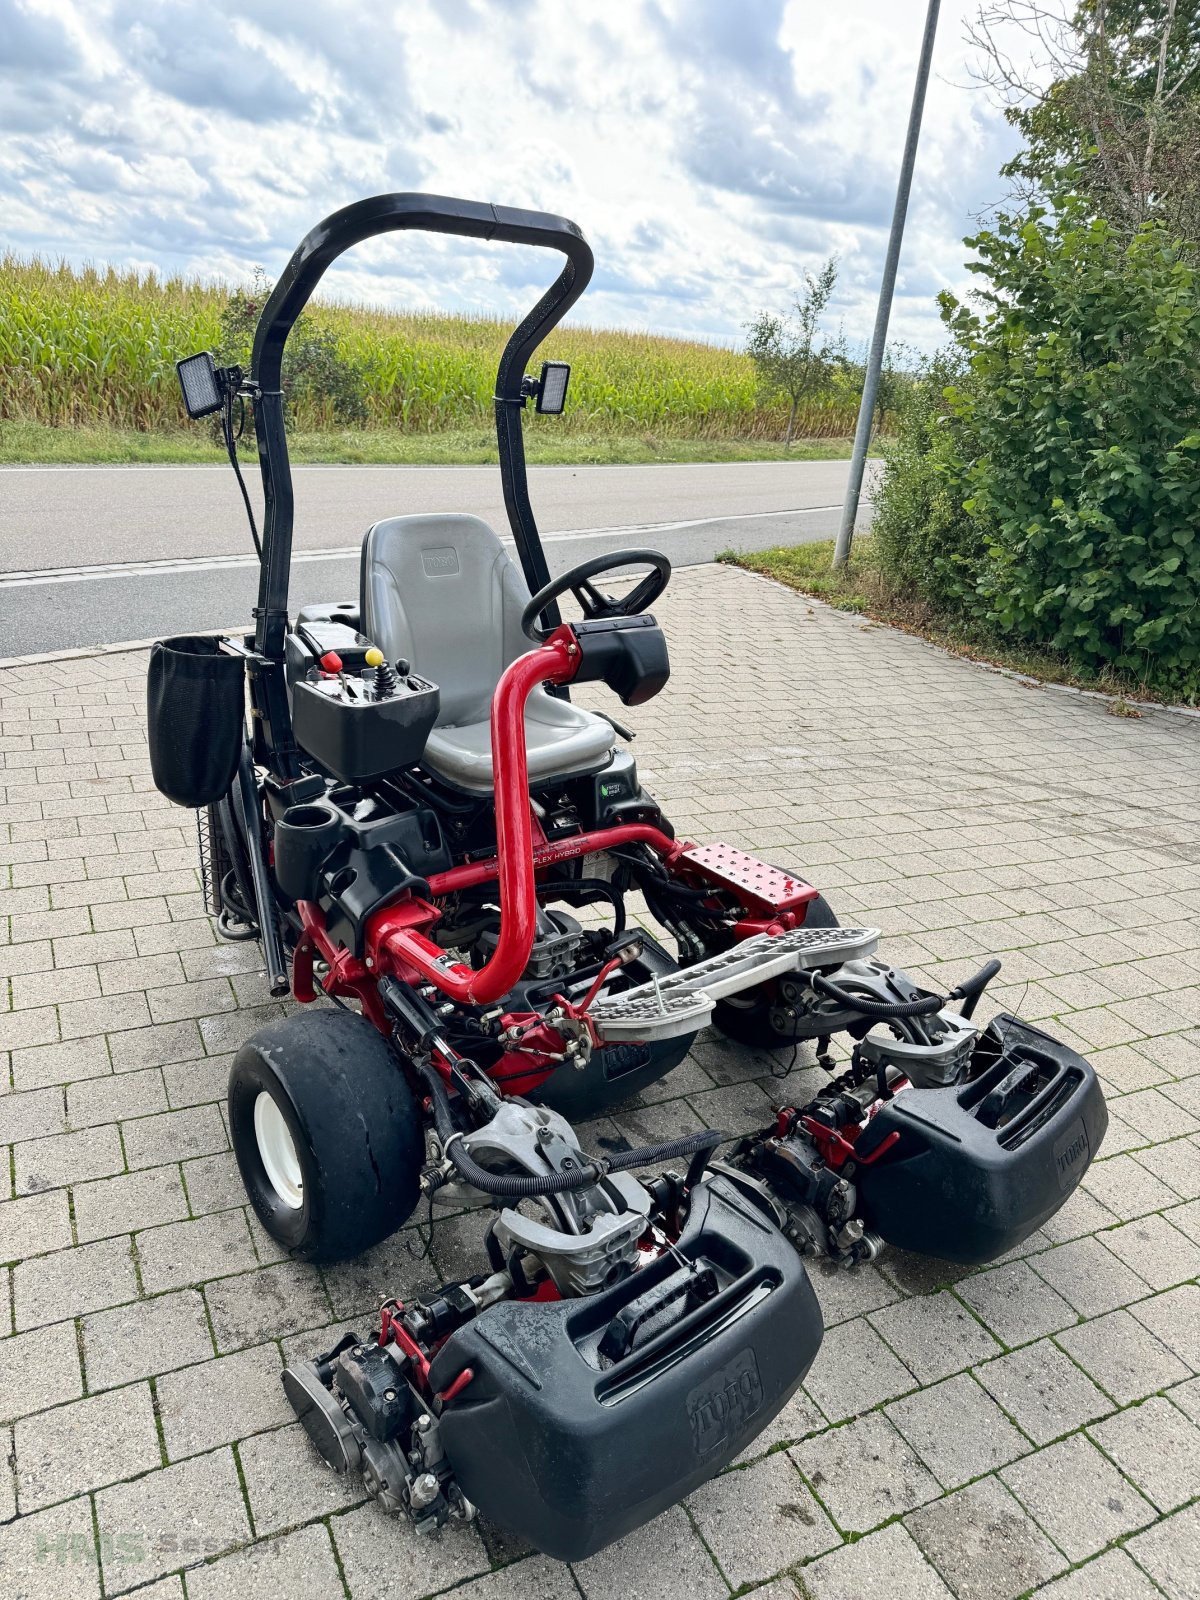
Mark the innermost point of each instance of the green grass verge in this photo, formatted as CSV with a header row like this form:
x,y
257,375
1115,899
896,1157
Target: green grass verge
x,y
28,443
861,587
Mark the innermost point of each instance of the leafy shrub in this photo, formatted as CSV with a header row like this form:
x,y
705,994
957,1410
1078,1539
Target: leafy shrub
x,y
1082,407
925,543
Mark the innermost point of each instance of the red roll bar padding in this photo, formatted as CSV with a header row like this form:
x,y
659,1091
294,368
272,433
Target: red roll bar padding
x,y
557,661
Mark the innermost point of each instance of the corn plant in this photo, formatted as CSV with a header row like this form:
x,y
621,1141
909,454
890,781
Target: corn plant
x,y
82,346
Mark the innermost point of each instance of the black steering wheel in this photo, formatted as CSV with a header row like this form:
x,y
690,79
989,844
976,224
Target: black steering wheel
x,y
596,605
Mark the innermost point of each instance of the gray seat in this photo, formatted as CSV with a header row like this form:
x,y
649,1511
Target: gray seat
x,y
441,591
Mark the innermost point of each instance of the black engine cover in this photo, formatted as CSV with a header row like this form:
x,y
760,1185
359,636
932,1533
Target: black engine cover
x,y
377,1392
572,1452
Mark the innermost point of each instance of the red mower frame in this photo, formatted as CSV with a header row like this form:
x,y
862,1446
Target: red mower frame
x,y
397,942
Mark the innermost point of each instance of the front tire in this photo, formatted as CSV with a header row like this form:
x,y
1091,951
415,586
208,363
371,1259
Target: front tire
x,y
327,1134
746,1017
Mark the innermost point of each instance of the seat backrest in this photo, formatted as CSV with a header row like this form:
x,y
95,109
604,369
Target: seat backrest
x,y
440,590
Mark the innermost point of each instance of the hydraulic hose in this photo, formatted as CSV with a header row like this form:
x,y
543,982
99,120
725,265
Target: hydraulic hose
x,y
527,1186
971,990
587,891
663,883
876,1008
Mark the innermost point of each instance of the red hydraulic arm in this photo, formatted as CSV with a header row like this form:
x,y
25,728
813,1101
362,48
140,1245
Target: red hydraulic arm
x,y
557,661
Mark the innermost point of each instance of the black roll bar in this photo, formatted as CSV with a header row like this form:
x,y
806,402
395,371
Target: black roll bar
x,y
388,213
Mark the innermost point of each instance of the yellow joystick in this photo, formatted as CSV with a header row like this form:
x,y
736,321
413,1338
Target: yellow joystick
x,y
374,656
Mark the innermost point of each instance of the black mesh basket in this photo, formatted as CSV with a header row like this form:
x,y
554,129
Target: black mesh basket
x,y
195,709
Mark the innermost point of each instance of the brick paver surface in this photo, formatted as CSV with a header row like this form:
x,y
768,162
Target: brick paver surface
x,y
1031,1426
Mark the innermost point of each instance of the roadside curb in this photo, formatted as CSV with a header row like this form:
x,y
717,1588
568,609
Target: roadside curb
x,y
89,652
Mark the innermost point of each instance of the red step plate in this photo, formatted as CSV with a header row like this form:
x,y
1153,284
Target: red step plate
x,y
770,887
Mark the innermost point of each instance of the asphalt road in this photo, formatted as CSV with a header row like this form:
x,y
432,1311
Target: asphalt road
x,y
97,555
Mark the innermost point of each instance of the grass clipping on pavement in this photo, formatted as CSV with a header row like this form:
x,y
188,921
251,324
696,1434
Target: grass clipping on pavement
x,y
862,588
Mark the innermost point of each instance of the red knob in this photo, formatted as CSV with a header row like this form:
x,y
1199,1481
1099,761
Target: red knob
x,y
331,661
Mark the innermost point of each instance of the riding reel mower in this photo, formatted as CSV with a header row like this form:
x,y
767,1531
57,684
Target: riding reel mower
x,y
424,831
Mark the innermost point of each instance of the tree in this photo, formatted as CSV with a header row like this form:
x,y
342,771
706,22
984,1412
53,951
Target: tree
x,y
901,365
789,353
1109,104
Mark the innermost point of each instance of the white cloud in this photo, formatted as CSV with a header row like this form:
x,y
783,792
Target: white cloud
x,y
712,150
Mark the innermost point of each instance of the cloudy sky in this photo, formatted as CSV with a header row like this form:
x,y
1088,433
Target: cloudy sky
x,y
712,150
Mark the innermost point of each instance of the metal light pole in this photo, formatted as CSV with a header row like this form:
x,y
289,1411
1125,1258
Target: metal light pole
x,y
866,410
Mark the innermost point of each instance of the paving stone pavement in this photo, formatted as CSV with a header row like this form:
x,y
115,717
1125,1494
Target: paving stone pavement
x,y
1034,1426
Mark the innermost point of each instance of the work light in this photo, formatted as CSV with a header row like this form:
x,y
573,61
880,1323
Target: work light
x,y
552,387
198,380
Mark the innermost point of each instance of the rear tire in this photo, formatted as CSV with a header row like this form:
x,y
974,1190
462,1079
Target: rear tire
x,y
327,1134
749,1022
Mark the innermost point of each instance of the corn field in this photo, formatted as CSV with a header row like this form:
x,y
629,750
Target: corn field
x,y
99,348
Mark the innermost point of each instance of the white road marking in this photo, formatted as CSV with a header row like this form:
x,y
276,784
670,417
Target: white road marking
x,y
163,568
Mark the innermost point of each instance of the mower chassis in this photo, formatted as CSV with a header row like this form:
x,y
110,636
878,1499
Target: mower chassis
x,y
580,1387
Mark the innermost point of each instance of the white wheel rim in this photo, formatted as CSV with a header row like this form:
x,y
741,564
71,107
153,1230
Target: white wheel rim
x,y
277,1150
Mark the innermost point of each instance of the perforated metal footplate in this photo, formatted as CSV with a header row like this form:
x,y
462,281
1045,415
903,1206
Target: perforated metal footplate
x,y
683,1001
749,878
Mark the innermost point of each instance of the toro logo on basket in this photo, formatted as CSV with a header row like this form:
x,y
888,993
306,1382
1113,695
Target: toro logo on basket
x,y
622,1058
1072,1152
724,1402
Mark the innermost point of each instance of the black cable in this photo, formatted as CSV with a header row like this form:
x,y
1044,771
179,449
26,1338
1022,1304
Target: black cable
x,y
234,829
527,1186
231,896
875,1008
662,879
697,1166
586,891
780,1069
231,449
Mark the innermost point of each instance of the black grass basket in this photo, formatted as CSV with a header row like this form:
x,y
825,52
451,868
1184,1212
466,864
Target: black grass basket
x,y
195,711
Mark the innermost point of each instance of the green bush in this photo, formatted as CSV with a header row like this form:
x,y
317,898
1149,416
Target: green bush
x,y
1082,405
1045,475
925,543
317,377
